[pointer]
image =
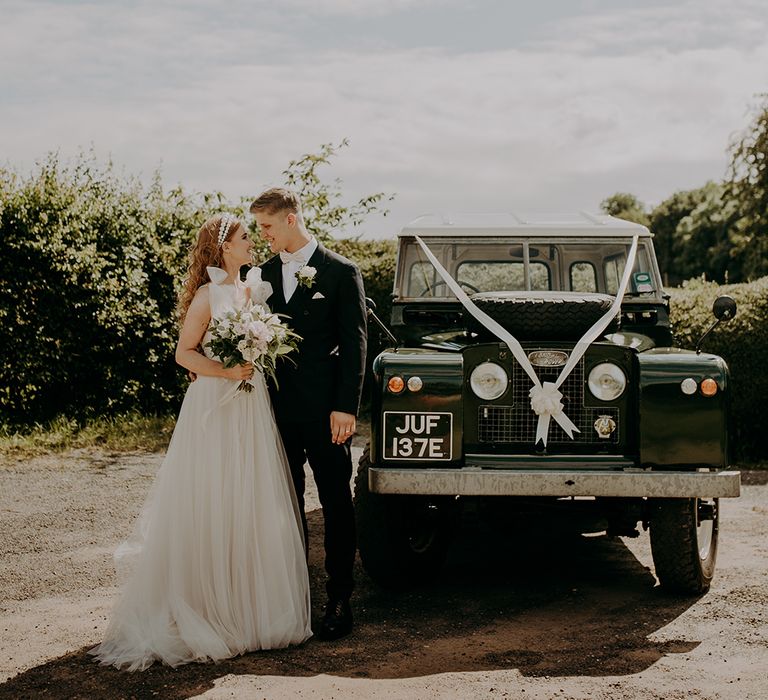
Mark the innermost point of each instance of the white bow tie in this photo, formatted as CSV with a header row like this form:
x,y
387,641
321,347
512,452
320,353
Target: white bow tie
x,y
287,257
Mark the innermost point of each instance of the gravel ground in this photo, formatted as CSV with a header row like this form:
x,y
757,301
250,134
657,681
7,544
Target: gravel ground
x,y
587,622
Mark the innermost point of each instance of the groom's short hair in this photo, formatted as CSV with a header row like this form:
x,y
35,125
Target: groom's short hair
x,y
277,199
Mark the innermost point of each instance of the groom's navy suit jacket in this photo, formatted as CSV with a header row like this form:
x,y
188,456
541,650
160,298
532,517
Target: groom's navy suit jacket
x,y
331,319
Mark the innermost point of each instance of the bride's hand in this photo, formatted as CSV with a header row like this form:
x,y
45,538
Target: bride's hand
x,y
240,372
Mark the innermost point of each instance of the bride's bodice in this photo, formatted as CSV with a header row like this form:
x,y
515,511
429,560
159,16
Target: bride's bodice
x,y
221,298
224,297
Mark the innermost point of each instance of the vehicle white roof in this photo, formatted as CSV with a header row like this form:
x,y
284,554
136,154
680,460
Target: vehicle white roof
x,y
517,224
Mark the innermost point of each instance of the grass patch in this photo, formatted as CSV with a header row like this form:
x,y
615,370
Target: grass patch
x,y
124,433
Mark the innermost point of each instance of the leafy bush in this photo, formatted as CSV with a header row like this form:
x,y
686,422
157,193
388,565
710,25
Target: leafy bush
x,y
90,270
87,294
742,342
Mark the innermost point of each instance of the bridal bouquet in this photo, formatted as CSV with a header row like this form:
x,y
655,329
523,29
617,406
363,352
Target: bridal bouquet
x,y
251,334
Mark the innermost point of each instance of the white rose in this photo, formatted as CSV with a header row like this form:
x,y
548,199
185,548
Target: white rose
x,y
306,275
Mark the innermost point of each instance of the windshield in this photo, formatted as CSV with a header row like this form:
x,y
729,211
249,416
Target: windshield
x,y
493,265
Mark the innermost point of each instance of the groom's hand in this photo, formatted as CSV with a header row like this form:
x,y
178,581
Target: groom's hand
x,y
342,427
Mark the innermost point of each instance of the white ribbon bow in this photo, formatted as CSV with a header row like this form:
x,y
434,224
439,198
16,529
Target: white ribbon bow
x,y
217,275
545,398
546,404
260,291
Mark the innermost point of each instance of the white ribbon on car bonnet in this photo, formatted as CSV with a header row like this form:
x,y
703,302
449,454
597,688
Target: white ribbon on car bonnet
x,y
545,397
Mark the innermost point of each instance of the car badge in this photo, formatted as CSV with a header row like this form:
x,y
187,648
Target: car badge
x,y
604,427
548,358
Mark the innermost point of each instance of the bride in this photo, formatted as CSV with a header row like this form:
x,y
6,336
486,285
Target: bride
x,y
216,562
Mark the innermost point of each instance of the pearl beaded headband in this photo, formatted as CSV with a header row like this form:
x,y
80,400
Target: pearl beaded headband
x,y
226,222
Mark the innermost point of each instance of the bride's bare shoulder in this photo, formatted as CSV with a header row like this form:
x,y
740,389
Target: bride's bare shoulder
x,y
200,300
202,291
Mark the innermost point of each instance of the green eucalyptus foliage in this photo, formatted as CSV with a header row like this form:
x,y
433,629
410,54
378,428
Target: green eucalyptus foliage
x,y
742,342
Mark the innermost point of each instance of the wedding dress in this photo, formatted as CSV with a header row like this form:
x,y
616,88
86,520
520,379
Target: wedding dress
x,y
216,564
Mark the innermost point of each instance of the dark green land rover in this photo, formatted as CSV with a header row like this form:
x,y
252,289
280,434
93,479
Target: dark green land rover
x,y
532,369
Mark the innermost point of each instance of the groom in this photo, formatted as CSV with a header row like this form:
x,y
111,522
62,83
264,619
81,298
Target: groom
x,y
315,408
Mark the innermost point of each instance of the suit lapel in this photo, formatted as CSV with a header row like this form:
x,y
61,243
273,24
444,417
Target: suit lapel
x,y
318,260
272,272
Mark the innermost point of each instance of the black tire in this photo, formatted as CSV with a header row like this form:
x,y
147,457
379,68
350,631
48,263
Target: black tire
x,y
684,533
542,315
403,540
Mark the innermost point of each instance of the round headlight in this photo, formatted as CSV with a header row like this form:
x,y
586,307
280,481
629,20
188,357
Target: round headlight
x,y
607,381
488,381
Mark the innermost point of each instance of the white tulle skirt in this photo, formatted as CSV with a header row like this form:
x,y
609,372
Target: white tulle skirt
x,y
216,565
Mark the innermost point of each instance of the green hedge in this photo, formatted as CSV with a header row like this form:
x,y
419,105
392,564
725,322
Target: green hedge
x,y
89,275
742,342
87,292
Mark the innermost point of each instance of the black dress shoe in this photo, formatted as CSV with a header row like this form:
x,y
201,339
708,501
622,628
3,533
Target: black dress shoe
x,y
337,621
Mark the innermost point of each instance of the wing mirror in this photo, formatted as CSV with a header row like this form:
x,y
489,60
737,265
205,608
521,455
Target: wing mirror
x,y
724,309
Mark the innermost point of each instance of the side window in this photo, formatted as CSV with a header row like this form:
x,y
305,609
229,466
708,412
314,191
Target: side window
x,y
540,281
583,277
614,269
421,278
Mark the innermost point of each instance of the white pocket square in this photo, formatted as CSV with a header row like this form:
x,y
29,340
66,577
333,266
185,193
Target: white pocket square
x,y
318,295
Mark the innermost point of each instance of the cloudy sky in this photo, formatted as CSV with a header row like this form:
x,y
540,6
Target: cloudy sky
x,y
451,105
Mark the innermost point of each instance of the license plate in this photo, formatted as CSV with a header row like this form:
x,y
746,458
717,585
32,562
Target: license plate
x,y
410,435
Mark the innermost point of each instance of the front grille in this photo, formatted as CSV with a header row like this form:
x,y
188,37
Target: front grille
x,y
516,423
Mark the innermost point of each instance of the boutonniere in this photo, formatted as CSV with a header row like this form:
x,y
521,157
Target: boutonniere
x,y
306,276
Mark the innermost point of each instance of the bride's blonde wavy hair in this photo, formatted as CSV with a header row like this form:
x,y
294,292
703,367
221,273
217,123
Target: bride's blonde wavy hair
x,y
206,252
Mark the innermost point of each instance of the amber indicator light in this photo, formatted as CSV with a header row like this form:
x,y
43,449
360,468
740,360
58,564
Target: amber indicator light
x,y
709,387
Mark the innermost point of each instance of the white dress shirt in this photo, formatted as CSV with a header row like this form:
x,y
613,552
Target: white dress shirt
x,y
290,283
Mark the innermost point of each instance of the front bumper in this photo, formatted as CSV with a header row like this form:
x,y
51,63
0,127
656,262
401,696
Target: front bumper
x,y
476,481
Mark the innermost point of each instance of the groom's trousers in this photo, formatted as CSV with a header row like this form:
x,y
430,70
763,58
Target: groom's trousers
x,y
332,469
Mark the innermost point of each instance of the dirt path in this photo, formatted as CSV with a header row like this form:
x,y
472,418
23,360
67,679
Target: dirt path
x,y
583,621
